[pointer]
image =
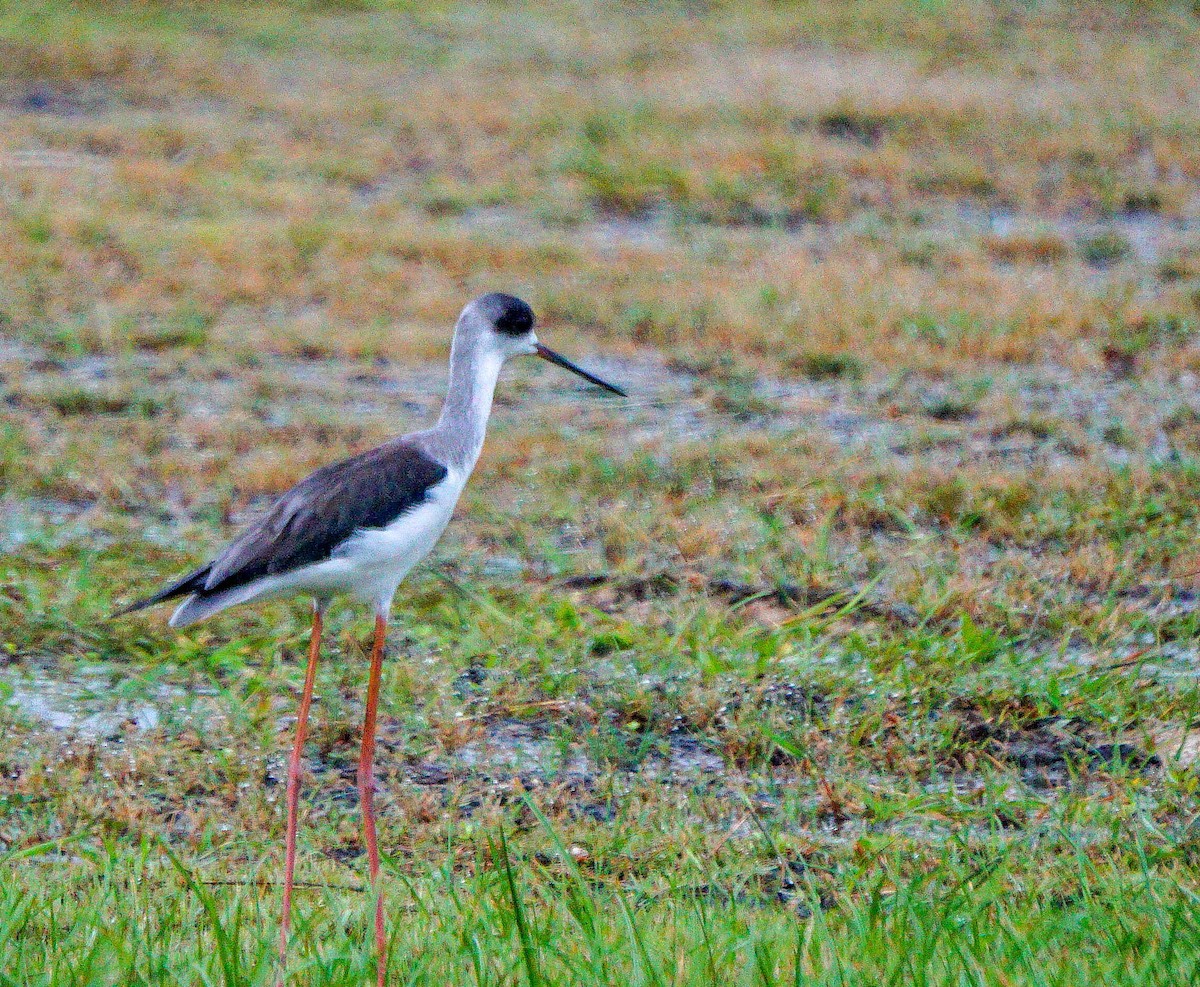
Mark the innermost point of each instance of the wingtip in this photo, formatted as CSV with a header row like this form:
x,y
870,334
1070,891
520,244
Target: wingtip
x,y
132,608
180,618
184,585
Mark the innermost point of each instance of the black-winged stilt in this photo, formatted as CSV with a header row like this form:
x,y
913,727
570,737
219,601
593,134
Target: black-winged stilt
x,y
357,527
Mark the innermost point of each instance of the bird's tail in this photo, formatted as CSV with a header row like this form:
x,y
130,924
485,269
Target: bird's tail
x,y
193,582
200,606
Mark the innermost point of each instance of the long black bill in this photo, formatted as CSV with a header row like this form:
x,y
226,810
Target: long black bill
x,y
561,361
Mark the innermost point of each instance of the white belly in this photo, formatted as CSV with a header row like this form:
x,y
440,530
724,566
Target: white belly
x,y
370,564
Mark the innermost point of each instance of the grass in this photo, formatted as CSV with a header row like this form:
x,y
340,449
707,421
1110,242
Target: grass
x,y
563,925
857,646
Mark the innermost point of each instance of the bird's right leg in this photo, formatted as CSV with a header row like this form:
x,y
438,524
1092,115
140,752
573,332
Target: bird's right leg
x,y
366,792
293,783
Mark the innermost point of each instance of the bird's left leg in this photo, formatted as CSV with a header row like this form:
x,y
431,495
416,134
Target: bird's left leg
x,y
366,790
293,783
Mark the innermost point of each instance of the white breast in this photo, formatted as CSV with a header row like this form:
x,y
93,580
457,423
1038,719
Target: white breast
x,y
370,564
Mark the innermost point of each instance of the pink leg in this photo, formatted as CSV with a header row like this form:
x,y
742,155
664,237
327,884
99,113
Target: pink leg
x,y
366,791
293,789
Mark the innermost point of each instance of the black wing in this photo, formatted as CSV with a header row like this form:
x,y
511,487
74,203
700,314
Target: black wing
x,y
308,522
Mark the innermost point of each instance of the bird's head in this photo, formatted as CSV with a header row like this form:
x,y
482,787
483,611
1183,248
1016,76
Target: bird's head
x,y
503,325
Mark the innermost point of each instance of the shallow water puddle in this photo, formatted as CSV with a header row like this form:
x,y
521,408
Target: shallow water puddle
x,y
85,706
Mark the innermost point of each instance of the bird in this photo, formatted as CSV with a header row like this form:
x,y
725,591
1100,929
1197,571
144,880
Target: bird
x,y
356,528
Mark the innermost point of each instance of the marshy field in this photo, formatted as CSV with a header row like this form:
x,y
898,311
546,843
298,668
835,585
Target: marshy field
x,y
857,646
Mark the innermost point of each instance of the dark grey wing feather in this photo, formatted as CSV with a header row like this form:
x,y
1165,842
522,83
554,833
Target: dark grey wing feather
x,y
309,521
193,582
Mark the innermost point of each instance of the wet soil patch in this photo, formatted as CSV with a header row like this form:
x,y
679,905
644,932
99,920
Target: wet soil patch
x,y
61,101
1048,751
609,592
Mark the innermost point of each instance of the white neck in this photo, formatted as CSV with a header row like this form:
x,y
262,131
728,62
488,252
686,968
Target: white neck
x,y
460,430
